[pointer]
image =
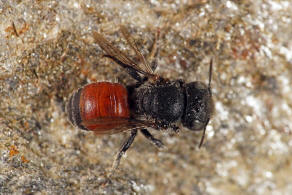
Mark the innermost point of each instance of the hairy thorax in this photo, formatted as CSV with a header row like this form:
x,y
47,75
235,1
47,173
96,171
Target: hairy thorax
x,y
162,102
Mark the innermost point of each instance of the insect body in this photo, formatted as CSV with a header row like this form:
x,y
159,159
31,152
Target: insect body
x,y
154,101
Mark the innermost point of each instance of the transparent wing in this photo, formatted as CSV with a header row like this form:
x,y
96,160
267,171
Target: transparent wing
x,y
133,45
114,125
118,55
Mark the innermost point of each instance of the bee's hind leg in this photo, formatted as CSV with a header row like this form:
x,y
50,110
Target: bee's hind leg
x,y
123,150
152,139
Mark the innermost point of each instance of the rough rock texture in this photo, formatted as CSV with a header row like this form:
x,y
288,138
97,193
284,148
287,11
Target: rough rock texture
x,y
47,51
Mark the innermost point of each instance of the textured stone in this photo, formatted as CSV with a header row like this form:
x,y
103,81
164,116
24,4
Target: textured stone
x,y
47,51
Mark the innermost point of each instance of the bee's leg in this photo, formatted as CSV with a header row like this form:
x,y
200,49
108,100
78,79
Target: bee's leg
x,y
153,140
123,150
175,128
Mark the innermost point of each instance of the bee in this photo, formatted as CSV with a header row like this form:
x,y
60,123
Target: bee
x,y
152,102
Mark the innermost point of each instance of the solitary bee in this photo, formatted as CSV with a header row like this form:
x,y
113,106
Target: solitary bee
x,y
152,102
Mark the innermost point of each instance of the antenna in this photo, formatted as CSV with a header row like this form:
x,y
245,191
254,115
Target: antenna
x,y
210,74
209,89
204,132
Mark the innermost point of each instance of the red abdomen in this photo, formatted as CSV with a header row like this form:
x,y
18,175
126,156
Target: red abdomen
x,y
102,103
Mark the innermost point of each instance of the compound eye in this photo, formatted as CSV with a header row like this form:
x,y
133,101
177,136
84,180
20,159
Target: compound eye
x,y
197,125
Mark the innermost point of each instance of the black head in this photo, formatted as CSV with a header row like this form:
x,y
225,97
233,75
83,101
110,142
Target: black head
x,y
199,105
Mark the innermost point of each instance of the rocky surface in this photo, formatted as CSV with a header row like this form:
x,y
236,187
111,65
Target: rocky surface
x,y
47,51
